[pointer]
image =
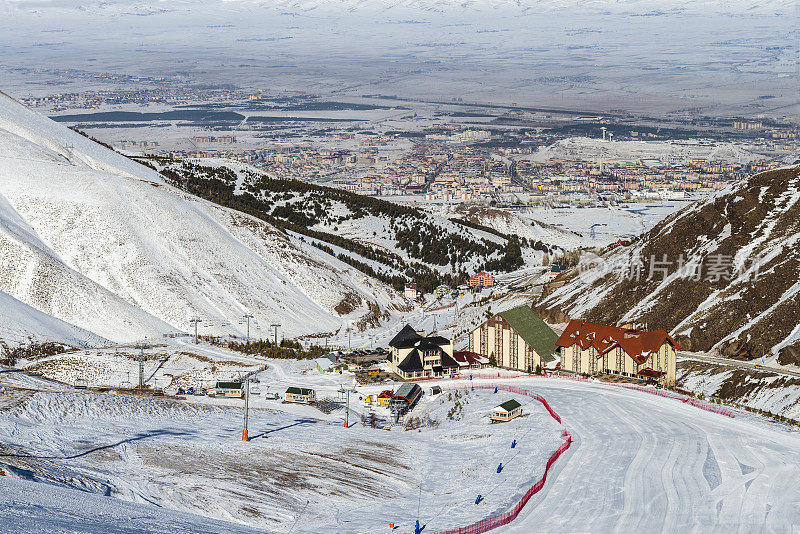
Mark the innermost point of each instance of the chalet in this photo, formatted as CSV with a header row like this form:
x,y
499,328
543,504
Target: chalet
x,y
416,356
300,395
590,348
470,360
405,398
516,339
384,397
410,291
507,411
229,389
481,279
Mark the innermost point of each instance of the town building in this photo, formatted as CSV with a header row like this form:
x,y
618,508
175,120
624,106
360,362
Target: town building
x,y
411,291
507,411
592,349
515,339
470,360
416,356
385,397
481,279
300,395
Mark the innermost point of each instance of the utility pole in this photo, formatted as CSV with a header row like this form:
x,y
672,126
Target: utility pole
x,y
245,436
275,327
195,321
247,318
349,344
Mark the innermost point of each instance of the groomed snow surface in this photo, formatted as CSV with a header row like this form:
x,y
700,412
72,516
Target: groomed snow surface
x,y
638,463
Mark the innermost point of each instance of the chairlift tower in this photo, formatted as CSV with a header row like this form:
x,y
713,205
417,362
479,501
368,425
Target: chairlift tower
x,y
141,347
344,391
245,436
195,320
275,327
247,318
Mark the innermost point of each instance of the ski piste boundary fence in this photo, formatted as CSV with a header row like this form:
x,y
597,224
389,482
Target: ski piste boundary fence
x,y
499,520
713,408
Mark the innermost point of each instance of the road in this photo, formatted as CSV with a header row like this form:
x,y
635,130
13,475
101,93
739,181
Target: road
x,y
734,363
641,463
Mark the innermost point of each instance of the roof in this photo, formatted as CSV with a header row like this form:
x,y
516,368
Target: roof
x,y
229,385
412,362
407,390
386,394
533,330
509,405
639,345
299,391
466,358
405,338
649,373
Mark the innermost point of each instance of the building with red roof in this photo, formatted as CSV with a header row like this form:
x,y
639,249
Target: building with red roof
x,y
481,279
591,348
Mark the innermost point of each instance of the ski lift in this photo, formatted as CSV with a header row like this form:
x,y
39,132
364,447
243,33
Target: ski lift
x,y
255,390
80,383
126,384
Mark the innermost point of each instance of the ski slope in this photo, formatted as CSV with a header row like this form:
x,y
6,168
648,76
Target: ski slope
x,y
641,463
638,463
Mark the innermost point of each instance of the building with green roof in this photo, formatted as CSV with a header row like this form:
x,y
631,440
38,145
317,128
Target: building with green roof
x,y
507,411
516,339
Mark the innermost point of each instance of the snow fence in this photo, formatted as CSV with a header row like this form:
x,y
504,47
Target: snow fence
x,y
505,518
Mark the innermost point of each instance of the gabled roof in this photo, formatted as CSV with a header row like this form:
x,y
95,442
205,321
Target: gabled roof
x,y
386,394
407,391
405,338
299,391
466,358
533,330
412,362
638,345
509,405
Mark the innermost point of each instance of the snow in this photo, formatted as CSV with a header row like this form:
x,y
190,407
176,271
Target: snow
x,y
20,323
96,240
669,152
637,462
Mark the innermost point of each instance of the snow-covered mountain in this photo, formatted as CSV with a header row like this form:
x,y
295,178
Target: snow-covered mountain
x,y
307,6
92,238
723,274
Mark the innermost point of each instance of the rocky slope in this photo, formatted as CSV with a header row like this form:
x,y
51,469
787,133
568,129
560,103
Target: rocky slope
x,y
722,275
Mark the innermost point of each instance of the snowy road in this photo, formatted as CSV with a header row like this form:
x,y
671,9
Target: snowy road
x,y
729,362
648,464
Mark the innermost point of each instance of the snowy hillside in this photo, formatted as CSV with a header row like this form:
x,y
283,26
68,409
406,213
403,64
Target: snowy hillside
x,y
723,274
391,242
97,240
678,152
20,323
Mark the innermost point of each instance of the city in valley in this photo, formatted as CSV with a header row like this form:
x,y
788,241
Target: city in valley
x,y
399,267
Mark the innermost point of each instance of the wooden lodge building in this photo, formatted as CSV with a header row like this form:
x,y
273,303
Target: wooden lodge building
x,y
591,349
510,409
416,356
517,338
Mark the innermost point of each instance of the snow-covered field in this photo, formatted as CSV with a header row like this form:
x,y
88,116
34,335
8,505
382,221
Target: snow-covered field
x,y
637,462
